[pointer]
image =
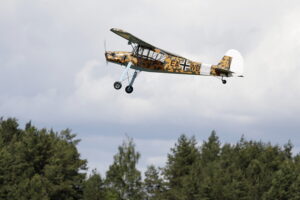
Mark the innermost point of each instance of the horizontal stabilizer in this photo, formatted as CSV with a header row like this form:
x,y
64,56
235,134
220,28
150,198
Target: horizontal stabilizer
x,y
223,71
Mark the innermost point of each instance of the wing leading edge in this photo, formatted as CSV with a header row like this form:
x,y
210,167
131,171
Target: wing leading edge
x,y
133,39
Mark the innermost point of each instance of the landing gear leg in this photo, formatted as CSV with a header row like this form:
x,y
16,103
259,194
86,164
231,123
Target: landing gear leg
x,y
223,80
118,84
129,88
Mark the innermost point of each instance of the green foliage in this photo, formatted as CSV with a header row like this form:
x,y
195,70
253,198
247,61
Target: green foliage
x,y
246,170
281,182
43,164
94,187
210,150
178,171
153,184
38,164
123,180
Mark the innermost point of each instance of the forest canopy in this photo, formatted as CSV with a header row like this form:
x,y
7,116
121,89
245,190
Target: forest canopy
x,y
44,164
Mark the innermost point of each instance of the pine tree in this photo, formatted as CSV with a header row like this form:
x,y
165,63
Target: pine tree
x,y
153,184
210,150
294,189
94,187
282,182
208,169
38,164
123,180
178,172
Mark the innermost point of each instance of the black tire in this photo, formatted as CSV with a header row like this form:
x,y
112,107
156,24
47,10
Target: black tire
x,y
224,81
129,89
117,85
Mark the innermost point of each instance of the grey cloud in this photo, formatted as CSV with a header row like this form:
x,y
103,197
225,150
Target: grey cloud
x,y
53,70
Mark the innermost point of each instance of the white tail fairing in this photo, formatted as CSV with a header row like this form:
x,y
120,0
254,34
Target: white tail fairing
x,y
237,62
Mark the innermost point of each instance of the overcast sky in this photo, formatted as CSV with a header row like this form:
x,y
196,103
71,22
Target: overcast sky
x,y
53,72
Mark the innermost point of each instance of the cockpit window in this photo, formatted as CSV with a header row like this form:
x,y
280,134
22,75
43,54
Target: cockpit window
x,y
149,54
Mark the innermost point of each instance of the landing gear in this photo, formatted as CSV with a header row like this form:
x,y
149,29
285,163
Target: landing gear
x,y
117,85
223,80
129,89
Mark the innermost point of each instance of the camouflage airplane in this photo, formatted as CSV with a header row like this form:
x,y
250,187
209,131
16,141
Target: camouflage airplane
x,y
146,57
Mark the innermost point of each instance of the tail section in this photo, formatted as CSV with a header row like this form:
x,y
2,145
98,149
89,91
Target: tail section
x,y
237,62
233,62
225,62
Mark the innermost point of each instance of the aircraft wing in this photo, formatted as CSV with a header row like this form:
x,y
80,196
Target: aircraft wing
x,y
133,39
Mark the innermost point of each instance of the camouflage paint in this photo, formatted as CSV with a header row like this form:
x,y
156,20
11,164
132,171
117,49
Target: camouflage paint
x,y
170,64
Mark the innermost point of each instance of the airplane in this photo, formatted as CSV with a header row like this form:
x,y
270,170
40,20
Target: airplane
x,y
148,58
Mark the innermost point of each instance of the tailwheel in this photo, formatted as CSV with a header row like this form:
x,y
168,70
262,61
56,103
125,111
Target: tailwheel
x,y
117,85
129,89
224,81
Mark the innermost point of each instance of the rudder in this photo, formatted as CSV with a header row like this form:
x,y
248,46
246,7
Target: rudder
x,y
225,62
236,64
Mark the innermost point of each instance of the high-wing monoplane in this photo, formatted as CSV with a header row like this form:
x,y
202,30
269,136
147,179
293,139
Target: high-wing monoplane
x,y
148,58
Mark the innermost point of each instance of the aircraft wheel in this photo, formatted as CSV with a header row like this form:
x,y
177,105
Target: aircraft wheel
x,y
117,85
224,81
129,89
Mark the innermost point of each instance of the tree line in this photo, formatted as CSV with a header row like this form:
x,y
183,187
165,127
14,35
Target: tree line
x,y
44,164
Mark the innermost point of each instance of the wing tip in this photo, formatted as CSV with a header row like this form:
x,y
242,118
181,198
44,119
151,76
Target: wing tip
x,y
116,30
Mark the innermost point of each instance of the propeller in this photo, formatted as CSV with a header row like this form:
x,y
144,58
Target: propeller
x,y
105,51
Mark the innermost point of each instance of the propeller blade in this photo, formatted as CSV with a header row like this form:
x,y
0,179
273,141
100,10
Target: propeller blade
x,y
105,51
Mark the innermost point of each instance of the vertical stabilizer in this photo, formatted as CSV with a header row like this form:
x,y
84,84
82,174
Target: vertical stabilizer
x,y
225,62
237,62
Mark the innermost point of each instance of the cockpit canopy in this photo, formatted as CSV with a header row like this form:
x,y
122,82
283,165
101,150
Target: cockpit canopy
x,y
149,54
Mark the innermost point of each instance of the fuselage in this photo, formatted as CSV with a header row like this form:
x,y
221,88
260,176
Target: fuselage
x,y
162,63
